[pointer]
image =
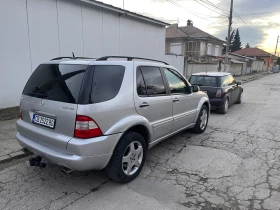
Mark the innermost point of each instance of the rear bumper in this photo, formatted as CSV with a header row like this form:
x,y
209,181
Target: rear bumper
x,y
79,154
216,103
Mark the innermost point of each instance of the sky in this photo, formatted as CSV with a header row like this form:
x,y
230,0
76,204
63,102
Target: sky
x,y
258,21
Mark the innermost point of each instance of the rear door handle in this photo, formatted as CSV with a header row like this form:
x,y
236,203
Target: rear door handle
x,y
175,99
144,104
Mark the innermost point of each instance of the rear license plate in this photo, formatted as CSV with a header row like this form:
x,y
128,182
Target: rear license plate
x,y
44,121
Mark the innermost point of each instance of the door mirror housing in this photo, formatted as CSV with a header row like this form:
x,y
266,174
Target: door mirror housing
x,y
238,83
195,88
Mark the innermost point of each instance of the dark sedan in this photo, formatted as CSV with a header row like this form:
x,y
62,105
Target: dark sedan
x,y
221,88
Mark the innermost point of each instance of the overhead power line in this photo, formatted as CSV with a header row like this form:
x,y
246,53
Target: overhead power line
x,y
193,13
201,2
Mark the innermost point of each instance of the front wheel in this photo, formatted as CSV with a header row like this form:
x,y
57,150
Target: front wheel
x,y
128,158
239,101
202,120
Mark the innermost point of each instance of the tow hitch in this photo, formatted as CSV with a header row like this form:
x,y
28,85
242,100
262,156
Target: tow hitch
x,y
36,161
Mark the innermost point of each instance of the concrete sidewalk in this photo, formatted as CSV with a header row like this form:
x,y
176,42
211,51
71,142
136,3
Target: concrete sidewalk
x,y
250,77
10,149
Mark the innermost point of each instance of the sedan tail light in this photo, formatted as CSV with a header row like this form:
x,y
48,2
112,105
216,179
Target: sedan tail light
x,y
86,128
219,93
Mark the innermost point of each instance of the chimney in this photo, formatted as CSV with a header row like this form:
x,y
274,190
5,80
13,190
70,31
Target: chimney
x,y
175,25
189,23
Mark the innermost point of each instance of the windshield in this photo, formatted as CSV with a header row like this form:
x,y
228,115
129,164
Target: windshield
x,y
202,80
57,82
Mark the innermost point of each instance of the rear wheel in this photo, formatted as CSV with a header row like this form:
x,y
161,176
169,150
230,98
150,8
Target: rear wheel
x,y
128,158
224,108
202,120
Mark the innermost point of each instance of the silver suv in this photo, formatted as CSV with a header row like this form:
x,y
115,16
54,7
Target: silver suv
x,y
105,113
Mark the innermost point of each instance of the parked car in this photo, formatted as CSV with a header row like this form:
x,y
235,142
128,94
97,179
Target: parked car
x,y
221,88
95,114
275,69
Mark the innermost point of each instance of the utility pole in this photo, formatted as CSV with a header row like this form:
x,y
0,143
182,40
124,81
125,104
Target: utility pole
x,y
228,37
123,4
276,46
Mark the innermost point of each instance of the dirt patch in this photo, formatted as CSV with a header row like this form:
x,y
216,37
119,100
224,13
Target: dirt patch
x,y
9,113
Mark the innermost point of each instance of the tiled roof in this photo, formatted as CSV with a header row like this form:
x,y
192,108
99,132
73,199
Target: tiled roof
x,y
188,31
252,52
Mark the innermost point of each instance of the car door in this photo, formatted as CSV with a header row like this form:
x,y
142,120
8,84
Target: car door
x,y
227,87
235,89
184,102
152,100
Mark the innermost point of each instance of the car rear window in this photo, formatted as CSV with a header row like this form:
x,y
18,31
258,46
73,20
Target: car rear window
x,y
57,82
201,80
106,84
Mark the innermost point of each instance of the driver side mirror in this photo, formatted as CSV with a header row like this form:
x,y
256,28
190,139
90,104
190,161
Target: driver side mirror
x,y
195,89
238,83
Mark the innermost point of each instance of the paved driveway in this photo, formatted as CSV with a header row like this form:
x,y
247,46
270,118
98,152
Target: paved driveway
x,y
234,165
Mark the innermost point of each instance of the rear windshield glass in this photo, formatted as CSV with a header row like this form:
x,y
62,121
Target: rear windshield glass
x,y
204,81
57,82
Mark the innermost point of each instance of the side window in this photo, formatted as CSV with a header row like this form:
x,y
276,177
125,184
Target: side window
x,y
231,80
153,80
141,87
225,81
176,84
106,82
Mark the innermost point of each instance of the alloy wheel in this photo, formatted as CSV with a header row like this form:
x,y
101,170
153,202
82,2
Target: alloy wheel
x,y
132,158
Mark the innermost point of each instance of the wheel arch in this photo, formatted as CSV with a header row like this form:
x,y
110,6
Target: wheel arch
x,y
203,101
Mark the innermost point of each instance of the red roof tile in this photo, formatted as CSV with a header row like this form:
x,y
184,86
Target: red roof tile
x,y
252,52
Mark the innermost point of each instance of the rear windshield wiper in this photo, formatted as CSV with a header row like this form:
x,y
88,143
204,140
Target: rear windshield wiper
x,y
197,84
39,95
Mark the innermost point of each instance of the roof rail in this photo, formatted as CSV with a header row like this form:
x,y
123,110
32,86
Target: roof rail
x,y
105,58
59,58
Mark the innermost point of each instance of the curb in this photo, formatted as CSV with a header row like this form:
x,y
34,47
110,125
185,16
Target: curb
x,y
13,156
255,78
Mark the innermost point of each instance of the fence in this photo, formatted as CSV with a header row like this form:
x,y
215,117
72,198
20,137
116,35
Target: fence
x,y
176,61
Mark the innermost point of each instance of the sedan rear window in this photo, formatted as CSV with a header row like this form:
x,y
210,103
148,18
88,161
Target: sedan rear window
x,y
202,80
57,82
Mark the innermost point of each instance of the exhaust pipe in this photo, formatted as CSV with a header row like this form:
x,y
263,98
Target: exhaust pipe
x,y
66,170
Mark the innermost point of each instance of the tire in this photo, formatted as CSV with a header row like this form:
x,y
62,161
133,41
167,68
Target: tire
x,y
202,120
123,166
224,108
239,101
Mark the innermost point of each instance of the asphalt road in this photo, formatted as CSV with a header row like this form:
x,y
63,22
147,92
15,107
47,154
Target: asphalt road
x,y
234,165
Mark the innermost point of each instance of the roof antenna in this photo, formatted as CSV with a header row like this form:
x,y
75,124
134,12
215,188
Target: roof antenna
x,y
73,55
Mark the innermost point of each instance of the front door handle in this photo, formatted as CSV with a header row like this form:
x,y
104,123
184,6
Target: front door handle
x,y
175,99
144,104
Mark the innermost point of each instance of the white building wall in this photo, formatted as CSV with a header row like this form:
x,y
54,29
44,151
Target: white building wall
x,y
70,27
40,30
175,61
15,65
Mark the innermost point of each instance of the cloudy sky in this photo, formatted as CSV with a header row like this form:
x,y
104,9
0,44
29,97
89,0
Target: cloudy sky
x,y
257,20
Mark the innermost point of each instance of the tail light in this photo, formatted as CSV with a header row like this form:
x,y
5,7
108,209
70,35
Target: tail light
x,y
219,93
86,128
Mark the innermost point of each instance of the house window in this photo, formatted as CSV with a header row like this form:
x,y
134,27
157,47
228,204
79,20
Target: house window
x,y
192,48
176,48
209,49
217,51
